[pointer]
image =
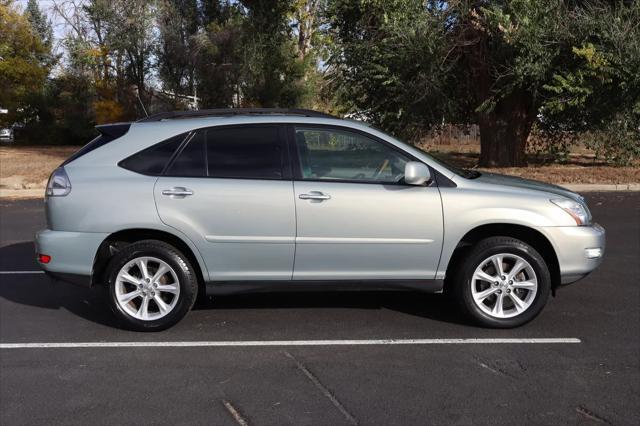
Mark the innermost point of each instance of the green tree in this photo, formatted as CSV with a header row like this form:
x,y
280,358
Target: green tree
x,y
272,72
597,93
21,71
500,64
389,63
43,28
178,22
218,54
247,55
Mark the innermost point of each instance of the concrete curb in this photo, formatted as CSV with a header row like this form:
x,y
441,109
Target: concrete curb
x,y
595,187
21,194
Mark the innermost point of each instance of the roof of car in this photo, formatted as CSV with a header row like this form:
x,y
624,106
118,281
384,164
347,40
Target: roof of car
x,y
226,112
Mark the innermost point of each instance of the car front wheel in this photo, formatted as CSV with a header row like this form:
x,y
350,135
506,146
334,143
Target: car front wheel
x,y
152,285
503,283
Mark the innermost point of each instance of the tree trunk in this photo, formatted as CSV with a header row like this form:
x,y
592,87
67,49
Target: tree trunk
x,y
504,131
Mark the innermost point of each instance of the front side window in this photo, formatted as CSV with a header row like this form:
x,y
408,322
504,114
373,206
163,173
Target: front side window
x,y
336,154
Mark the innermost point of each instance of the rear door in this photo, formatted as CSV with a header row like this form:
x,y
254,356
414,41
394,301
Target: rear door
x,y
356,218
230,191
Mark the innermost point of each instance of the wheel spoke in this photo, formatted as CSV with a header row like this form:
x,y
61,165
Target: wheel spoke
x,y
142,265
484,294
481,275
143,311
517,302
168,288
528,285
519,266
125,276
162,269
498,308
497,263
128,297
161,305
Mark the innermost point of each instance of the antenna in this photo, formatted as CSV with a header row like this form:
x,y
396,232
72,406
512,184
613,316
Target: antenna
x,y
135,90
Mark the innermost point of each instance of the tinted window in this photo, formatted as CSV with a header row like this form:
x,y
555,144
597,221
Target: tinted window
x,y
108,133
152,161
191,160
335,154
245,152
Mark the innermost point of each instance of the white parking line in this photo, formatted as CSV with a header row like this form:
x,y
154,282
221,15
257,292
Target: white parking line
x,y
263,343
20,272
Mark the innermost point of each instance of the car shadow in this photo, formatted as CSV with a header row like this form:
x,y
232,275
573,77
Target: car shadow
x,y
436,307
40,291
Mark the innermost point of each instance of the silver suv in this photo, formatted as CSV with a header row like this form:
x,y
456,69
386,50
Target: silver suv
x,y
225,201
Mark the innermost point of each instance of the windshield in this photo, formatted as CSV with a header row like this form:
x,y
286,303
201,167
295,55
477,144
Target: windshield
x,y
465,173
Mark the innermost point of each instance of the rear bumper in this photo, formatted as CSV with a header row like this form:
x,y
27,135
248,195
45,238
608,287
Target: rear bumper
x,y
72,253
580,249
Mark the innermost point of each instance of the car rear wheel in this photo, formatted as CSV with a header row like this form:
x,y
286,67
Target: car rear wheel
x,y
152,285
503,283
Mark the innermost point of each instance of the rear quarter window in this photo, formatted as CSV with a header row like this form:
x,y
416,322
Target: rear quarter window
x,y
153,160
108,133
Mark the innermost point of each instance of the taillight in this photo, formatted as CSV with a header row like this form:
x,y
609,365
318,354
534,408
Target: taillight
x,y
59,184
44,258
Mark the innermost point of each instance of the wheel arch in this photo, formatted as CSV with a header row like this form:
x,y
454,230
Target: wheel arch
x,y
111,245
529,235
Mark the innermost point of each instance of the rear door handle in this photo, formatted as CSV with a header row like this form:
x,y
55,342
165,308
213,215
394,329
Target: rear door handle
x,y
177,191
315,195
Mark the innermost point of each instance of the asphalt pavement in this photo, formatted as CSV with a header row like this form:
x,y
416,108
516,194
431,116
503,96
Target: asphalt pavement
x,y
591,378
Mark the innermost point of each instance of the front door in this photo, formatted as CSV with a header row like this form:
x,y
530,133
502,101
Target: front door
x,y
356,219
229,190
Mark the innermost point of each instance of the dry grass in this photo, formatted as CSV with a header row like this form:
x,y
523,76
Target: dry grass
x,y
30,166
580,167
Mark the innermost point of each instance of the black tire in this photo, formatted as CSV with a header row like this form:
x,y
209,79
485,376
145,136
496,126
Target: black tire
x,y
187,279
483,250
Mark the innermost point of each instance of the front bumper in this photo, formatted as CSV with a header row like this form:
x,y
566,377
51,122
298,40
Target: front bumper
x,y
72,253
576,249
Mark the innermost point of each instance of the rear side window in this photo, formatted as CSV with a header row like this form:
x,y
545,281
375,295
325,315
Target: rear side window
x,y
152,161
108,133
246,152
255,152
191,162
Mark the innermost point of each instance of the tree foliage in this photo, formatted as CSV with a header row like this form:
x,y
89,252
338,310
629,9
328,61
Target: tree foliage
x,y
566,69
502,64
21,71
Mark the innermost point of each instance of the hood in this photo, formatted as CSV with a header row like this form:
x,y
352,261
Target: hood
x,y
517,182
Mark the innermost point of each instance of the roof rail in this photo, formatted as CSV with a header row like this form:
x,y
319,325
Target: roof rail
x,y
221,112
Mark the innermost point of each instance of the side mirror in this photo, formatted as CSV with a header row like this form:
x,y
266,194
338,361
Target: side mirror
x,y
416,173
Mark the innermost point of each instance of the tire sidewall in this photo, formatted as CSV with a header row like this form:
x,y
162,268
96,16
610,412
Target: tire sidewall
x,y
184,273
482,252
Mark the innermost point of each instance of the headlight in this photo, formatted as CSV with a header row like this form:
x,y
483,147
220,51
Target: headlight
x,y
577,211
59,184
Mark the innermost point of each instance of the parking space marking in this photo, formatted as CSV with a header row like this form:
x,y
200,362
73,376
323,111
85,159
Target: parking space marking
x,y
323,389
20,272
235,413
244,343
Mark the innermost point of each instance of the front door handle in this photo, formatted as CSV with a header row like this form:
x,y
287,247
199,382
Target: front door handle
x,y
315,195
177,191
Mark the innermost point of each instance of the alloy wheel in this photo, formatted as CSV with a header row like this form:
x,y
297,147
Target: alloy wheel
x,y
504,285
147,288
